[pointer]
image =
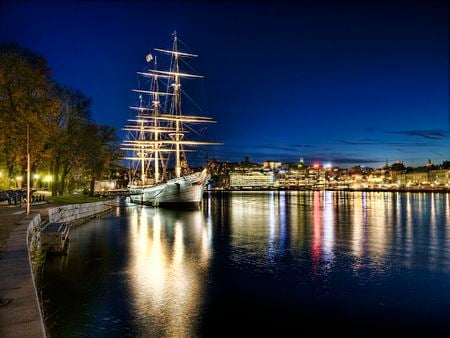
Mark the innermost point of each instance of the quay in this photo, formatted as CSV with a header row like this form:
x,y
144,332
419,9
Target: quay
x,y
415,189
20,312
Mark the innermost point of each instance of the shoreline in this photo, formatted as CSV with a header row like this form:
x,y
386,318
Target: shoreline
x,y
327,189
23,314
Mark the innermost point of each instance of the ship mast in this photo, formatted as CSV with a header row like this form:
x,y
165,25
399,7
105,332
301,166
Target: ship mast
x,y
141,153
156,104
155,132
177,106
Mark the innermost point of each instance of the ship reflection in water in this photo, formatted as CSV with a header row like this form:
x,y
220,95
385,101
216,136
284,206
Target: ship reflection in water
x,y
265,261
169,259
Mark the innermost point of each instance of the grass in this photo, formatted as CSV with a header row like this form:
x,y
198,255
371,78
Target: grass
x,y
74,199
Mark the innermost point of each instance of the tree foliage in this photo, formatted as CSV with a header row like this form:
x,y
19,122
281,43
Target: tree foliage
x,y
64,141
24,99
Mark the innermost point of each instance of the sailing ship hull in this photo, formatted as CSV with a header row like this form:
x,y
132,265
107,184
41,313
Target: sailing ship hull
x,y
184,191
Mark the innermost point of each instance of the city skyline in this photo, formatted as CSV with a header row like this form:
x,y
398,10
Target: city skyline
x,y
347,84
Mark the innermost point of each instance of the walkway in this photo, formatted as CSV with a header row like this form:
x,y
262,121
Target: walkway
x,y
21,316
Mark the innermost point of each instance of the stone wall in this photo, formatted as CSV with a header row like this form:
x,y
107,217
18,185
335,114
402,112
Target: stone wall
x,y
33,241
74,212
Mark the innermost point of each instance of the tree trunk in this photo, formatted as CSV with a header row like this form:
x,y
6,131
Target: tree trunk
x,y
55,175
10,173
70,185
92,186
63,179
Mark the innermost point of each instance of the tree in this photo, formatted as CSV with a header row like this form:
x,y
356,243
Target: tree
x,y
64,139
72,118
24,99
445,165
100,148
398,166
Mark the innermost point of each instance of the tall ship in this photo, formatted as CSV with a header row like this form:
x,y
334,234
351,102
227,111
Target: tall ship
x,y
157,141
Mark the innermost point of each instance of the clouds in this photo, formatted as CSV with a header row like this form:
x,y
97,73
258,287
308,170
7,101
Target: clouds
x,y
373,142
291,152
353,160
427,134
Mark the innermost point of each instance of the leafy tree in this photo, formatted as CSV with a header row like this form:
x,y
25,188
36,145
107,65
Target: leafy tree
x,y
64,139
24,99
398,166
99,149
73,116
445,165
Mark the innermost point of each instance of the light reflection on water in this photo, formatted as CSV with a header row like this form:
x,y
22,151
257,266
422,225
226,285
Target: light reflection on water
x,y
165,270
156,272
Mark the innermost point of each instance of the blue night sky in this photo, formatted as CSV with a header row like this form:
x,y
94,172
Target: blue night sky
x,y
350,83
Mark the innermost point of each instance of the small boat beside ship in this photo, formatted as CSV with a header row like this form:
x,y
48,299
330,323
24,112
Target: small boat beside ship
x,y
157,141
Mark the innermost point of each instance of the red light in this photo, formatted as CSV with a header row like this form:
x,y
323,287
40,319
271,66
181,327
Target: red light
x,y
316,166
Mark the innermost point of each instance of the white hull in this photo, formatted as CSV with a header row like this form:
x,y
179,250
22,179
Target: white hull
x,y
181,191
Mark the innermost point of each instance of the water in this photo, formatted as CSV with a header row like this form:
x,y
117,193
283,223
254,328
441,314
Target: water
x,y
271,262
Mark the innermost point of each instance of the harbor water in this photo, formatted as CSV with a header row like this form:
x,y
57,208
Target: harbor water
x,y
257,262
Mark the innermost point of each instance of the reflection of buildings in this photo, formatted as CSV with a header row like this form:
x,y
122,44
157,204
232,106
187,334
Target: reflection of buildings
x,y
334,227
167,271
315,234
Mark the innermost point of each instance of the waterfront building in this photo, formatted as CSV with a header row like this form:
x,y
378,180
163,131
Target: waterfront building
x,y
376,179
251,179
291,179
315,176
418,176
439,176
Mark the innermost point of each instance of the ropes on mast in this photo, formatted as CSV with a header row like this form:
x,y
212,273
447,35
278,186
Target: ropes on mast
x,y
159,127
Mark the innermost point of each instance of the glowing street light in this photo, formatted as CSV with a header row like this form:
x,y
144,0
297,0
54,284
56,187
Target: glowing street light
x,y
36,180
48,179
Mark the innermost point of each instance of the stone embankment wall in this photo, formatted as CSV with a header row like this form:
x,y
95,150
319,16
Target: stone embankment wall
x,y
74,212
34,241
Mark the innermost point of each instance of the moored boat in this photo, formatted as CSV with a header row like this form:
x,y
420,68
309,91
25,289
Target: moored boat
x,y
156,133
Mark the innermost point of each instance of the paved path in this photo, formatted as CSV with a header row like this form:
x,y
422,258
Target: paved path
x,y
21,317
9,216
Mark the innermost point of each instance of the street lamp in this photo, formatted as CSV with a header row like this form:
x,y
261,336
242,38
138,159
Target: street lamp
x,y
36,178
48,179
19,181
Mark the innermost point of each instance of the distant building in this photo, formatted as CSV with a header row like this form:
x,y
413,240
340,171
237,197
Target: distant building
x,y
417,176
300,176
440,176
253,179
273,165
105,185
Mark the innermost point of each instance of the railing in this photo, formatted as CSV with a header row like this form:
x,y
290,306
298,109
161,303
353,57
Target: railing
x,y
18,196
